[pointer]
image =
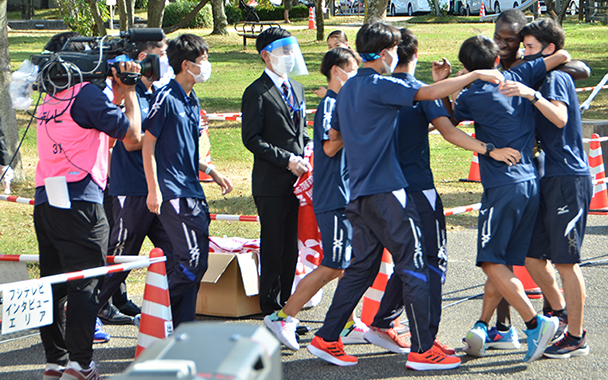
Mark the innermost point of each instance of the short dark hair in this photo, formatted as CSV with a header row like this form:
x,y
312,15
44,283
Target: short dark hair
x,y
407,47
57,42
187,47
478,52
339,35
373,38
270,35
147,45
336,57
546,31
513,16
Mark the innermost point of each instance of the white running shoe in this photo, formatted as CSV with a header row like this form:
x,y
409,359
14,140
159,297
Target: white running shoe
x,y
284,329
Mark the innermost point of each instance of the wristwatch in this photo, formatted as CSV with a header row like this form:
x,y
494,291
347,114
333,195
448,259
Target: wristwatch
x,y
537,97
489,148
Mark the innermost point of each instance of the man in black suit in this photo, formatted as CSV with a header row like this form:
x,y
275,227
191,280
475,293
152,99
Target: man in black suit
x,y
274,130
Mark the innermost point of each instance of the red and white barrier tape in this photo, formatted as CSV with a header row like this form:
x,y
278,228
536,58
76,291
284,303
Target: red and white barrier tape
x,y
589,89
102,271
36,258
463,209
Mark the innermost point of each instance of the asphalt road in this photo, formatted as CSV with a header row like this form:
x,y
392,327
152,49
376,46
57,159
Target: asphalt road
x,y
23,358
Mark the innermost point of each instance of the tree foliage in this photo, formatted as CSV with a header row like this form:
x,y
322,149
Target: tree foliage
x,y
79,16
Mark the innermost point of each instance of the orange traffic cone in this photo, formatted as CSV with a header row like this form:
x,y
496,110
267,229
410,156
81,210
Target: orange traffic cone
x,y
482,11
532,290
311,19
156,322
474,169
538,5
373,295
599,202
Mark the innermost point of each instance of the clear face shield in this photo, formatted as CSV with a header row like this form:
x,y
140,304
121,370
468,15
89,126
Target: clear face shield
x,y
286,57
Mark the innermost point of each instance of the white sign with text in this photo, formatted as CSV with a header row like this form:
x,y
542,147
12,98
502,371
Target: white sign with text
x,y
26,305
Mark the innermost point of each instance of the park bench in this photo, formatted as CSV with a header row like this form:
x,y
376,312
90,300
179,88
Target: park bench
x,y
252,29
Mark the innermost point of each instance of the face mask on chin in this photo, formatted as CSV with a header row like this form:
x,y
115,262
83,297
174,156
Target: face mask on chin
x,y
532,57
282,64
166,72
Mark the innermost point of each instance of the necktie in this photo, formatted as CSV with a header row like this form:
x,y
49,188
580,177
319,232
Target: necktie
x,y
289,101
286,92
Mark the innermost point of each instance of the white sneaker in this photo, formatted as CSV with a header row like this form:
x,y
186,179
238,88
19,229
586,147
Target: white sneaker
x,y
284,329
354,334
389,340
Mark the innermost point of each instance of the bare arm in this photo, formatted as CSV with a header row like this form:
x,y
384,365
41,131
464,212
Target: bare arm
x,y
218,177
334,144
555,111
459,138
448,86
155,198
556,59
576,69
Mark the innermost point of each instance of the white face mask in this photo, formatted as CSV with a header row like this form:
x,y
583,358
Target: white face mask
x,y
391,69
166,72
348,75
205,72
282,64
415,62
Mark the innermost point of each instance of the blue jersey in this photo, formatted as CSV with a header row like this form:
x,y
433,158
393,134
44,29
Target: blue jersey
x,y
366,115
413,139
174,120
563,146
330,174
127,168
504,122
92,110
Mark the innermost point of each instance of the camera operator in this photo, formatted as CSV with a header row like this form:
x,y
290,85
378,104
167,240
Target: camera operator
x,y
74,130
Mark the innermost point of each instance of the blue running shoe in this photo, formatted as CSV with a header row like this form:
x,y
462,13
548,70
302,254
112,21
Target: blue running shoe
x,y
568,347
503,340
539,338
475,340
100,335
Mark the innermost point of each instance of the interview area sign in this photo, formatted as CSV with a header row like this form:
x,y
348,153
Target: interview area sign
x,y
26,305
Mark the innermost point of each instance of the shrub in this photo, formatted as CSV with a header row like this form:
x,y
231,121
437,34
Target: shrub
x,y
233,14
175,12
276,13
141,4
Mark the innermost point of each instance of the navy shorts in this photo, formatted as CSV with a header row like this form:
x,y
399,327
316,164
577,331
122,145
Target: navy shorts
x,y
560,226
506,221
336,236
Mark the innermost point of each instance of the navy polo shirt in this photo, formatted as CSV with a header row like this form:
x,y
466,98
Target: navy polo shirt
x,y
413,139
127,168
330,174
563,147
366,115
504,122
174,120
92,110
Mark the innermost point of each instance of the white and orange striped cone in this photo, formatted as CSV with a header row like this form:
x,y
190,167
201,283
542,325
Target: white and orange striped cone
x,y
474,175
599,202
156,322
538,6
373,295
532,290
482,11
311,19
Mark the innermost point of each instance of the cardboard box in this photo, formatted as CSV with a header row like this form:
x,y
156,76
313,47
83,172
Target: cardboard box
x,y
230,286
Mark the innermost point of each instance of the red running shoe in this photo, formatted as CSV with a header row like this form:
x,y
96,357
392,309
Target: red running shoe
x,y
331,352
431,360
446,350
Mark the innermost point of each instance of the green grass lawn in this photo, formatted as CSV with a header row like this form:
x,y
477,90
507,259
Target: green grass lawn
x,y
234,68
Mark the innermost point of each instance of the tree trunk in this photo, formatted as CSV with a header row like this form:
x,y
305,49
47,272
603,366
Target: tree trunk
x,y
121,5
101,28
130,6
156,11
581,6
320,22
375,10
220,22
562,12
186,21
7,113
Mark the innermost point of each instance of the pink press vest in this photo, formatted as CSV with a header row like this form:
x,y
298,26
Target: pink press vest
x,y
65,148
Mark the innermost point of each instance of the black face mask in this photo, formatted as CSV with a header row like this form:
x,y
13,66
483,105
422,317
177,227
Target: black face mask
x,y
532,57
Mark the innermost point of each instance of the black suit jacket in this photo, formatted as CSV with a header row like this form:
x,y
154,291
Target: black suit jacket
x,y
270,133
